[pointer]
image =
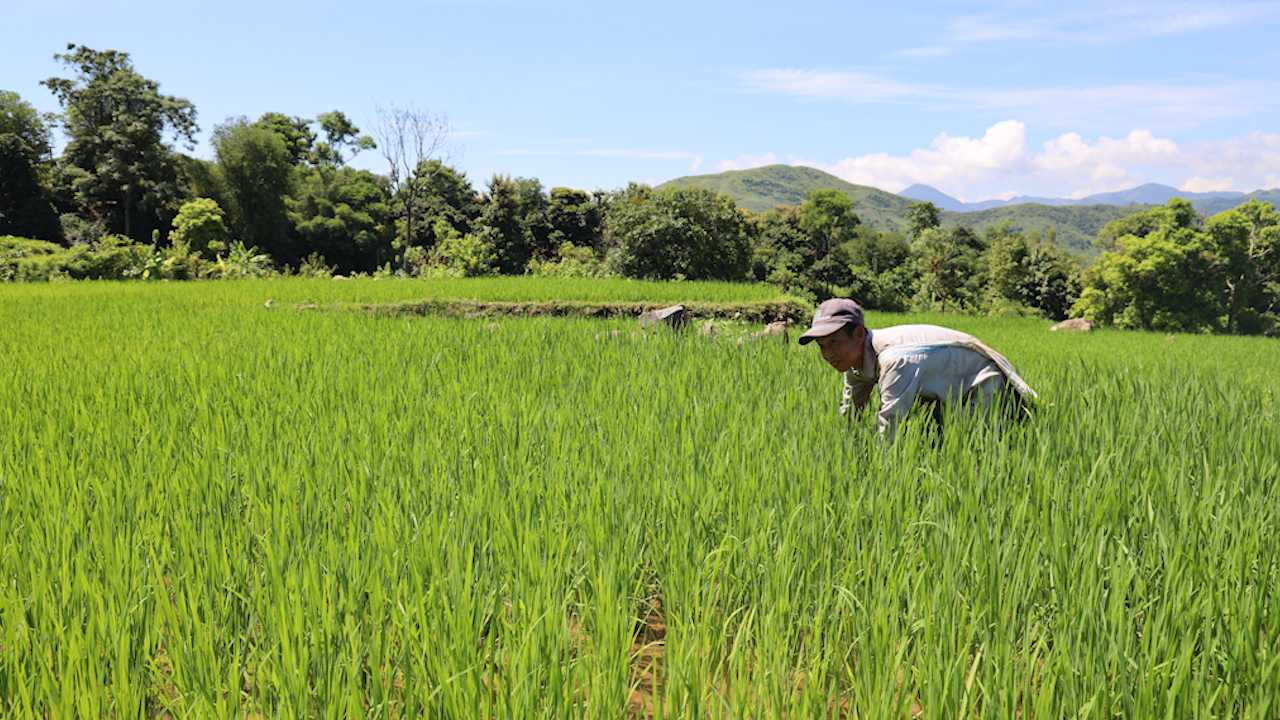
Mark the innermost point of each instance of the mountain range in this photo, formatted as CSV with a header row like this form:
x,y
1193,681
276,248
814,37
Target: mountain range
x,y
1148,194
1074,223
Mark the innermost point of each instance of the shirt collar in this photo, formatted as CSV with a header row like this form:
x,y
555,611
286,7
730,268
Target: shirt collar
x,y
870,369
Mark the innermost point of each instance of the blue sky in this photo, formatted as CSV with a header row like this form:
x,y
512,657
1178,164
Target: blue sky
x,y
979,99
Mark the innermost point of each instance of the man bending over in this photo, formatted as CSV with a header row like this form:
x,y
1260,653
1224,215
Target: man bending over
x,y
910,363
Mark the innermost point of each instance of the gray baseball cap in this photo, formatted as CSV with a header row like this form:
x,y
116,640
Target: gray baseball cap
x,y
830,317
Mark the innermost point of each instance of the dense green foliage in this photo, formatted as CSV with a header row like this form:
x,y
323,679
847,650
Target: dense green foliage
x,y
1177,272
342,214
200,226
220,510
25,206
116,163
115,257
257,165
678,233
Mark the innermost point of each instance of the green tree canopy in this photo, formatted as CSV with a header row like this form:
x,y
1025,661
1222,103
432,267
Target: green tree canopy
x,y
878,251
1162,280
947,261
342,214
438,192
257,167
1245,254
1031,272
199,224
922,216
340,135
685,232
827,216
514,222
575,216
117,162
299,139
19,118
25,207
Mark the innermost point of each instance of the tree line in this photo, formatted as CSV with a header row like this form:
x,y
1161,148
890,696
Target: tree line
x,y
279,196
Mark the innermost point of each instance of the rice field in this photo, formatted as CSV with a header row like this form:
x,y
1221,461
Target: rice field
x,y
214,509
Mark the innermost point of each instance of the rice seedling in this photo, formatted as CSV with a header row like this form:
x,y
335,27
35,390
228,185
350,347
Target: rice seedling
x,y
211,509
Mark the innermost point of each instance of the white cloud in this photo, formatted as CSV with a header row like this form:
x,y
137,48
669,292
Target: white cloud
x,y
1099,22
747,162
1066,166
697,163
832,85
1201,185
1164,104
1107,165
1006,195
953,164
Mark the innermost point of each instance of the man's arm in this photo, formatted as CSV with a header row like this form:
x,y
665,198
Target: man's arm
x,y
899,385
857,393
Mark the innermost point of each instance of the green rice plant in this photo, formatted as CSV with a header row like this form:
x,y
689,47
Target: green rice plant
x,y
212,509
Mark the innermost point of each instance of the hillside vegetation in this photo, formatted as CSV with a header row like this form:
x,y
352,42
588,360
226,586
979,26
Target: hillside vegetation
x,y
762,189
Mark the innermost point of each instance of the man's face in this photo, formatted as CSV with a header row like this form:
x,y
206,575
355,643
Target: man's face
x,y
843,350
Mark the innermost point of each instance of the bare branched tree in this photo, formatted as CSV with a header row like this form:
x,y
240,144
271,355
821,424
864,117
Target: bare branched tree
x,y
408,138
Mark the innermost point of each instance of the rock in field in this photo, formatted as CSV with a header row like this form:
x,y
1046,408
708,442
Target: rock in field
x,y
1077,324
773,330
673,317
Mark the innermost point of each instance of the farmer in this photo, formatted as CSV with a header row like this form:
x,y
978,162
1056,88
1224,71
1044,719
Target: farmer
x,y
910,363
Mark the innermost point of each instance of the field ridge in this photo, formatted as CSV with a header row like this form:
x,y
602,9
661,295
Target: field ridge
x,y
787,310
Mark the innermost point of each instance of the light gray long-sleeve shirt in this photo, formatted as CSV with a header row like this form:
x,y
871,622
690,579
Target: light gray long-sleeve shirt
x,y
925,362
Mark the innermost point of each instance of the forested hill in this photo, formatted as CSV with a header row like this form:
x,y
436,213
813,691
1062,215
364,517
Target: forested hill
x,y
761,189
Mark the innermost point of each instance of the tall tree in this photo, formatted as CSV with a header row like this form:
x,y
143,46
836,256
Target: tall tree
x,y
257,166
19,118
342,214
1030,271
575,216
782,247
25,208
922,216
299,139
409,138
828,219
1162,280
514,222
1245,252
117,161
441,192
689,232
340,135
877,251
827,215
946,261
